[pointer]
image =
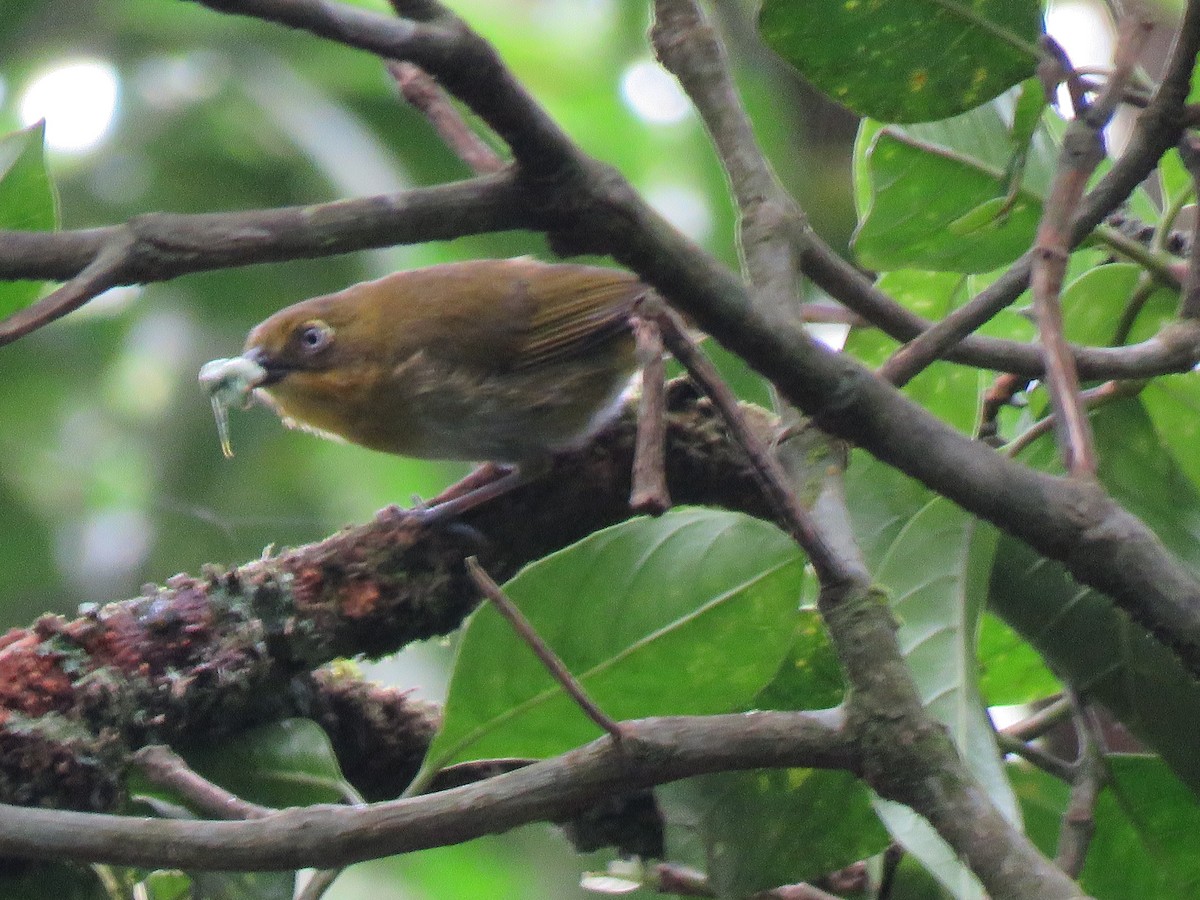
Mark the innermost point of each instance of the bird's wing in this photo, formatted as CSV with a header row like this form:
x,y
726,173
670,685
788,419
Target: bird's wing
x,y
575,309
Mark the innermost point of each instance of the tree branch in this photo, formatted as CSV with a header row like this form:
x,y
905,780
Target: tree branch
x,y
158,246
654,751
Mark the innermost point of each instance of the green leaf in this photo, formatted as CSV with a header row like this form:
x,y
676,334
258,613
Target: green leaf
x,y
1146,824
937,572
765,828
27,202
1165,818
758,830
810,676
1095,301
908,61
939,193
1011,671
690,613
1173,402
167,884
1027,115
1078,630
287,763
1174,179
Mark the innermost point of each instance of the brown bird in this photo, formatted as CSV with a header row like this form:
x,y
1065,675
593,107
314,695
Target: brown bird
x,y
506,361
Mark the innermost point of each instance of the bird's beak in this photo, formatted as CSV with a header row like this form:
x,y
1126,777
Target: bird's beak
x,y
273,370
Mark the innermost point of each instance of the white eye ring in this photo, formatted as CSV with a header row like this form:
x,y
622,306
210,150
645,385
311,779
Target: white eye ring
x,y
314,336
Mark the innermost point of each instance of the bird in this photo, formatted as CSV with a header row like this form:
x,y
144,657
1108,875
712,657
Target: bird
x,y
502,361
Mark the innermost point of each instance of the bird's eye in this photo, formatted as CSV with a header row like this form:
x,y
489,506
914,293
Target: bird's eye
x,y
314,336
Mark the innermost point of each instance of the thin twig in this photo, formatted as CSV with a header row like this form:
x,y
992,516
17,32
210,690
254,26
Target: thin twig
x,y
649,493
1089,398
103,272
1037,724
554,665
163,767
797,520
318,883
1047,762
1002,393
892,857
1082,151
421,91
159,246
1090,774
1055,68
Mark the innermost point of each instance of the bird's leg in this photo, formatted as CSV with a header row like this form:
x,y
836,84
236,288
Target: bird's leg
x,y
487,482
478,477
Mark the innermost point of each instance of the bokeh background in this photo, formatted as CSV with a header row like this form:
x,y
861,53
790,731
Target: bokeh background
x,y
110,472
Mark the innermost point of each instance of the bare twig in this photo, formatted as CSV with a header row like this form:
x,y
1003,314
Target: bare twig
x,y
1002,393
649,493
1082,151
892,857
656,750
165,768
1090,774
104,271
791,513
1037,724
162,766
1089,398
688,46
1055,68
158,246
554,665
1031,753
422,92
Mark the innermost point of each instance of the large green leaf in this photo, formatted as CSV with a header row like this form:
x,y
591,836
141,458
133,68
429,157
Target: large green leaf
x,y
690,613
906,60
27,201
1011,671
1093,303
765,828
932,196
1079,631
937,571
758,830
287,763
1145,842
1173,403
